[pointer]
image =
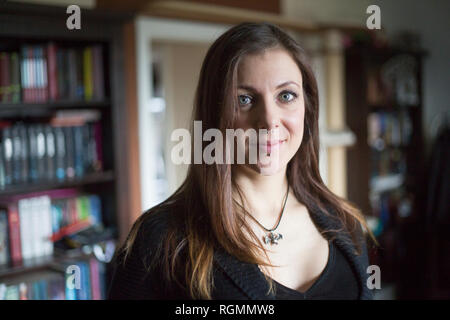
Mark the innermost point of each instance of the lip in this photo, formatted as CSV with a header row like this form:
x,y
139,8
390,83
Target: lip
x,y
271,143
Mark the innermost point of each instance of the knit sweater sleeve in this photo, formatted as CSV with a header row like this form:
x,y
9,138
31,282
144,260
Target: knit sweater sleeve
x,y
132,279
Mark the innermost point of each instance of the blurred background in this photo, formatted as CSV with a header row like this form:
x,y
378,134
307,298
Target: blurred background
x,y
86,116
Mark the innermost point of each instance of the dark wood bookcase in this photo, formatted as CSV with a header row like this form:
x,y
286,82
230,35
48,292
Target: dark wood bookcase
x,y
386,177
38,24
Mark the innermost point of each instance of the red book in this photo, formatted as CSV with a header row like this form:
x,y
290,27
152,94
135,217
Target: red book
x,y
52,72
73,210
14,233
95,279
71,229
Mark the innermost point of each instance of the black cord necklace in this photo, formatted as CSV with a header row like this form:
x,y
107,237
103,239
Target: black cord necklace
x,y
271,237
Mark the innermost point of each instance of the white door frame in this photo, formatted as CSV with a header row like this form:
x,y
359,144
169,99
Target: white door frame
x,y
149,29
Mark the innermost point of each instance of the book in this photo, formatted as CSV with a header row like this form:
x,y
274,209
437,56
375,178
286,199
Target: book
x,y
41,285
85,292
24,158
24,74
41,151
50,144
26,228
60,70
17,154
99,85
43,73
2,166
79,75
31,71
72,73
37,226
79,146
4,234
32,153
95,279
46,226
7,144
60,157
52,72
14,234
5,89
87,72
15,78
70,152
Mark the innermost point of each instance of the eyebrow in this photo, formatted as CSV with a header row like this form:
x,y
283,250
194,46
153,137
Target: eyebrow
x,y
250,88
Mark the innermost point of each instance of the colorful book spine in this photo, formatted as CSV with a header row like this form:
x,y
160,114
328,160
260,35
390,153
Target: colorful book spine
x,y
4,241
14,233
7,145
95,279
26,228
52,72
5,89
88,72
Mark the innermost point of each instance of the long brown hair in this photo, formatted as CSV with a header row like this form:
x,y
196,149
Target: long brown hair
x,y
205,214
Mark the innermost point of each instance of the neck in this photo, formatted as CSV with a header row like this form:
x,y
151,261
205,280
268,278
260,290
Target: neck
x,y
263,195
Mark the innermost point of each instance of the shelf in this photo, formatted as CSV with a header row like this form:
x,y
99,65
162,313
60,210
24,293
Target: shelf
x,y
55,261
37,264
93,178
66,104
31,265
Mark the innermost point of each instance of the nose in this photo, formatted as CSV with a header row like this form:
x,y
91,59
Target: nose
x,y
268,115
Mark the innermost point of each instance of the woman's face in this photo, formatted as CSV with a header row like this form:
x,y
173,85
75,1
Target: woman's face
x,y
270,96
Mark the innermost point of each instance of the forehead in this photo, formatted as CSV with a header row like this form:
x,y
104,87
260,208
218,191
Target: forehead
x,y
268,69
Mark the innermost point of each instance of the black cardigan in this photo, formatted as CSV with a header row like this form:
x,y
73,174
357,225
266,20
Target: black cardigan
x,y
233,279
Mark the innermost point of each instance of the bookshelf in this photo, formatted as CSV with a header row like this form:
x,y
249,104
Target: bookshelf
x,y
89,188
386,165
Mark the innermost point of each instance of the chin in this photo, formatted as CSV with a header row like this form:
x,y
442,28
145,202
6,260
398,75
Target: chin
x,y
271,168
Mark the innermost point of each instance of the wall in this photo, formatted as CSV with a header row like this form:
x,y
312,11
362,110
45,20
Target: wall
x,y
181,63
429,19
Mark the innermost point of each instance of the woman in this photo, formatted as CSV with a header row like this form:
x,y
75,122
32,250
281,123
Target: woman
x,y
262,229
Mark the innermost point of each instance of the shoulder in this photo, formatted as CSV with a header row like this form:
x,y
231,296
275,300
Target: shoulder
x,y
136,273
151,229
153,224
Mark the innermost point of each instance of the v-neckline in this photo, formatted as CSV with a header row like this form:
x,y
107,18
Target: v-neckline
x,y
319,279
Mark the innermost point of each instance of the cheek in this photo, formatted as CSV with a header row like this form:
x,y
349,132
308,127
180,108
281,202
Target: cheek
x,y
294,123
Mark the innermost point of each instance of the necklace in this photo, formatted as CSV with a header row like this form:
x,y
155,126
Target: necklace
x,y
271,236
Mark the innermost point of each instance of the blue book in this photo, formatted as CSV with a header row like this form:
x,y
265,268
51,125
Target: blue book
x,y
85,292
95,211
78,151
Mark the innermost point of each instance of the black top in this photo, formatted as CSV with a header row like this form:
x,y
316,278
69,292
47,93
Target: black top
x,y
337,281
233,278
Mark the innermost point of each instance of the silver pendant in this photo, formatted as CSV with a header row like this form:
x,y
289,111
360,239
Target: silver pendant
x,y
272,237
